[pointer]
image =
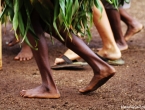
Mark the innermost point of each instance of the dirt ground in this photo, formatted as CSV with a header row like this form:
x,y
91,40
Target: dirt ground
x,y
124,91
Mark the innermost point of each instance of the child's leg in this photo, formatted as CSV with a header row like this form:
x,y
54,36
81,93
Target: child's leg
x,y
102,71
48,88
109,49
115,22
133,26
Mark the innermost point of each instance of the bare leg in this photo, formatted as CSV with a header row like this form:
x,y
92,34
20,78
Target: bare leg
x,y
102,71
48,88
133,26
115,22
109,49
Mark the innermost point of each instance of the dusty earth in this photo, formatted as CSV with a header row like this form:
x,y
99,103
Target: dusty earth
x,y
124,90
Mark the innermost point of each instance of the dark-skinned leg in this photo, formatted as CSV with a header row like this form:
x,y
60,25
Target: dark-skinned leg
x,y
115,22
133,26
48,88
102,71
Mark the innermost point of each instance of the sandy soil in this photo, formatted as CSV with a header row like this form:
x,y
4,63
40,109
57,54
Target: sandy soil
x,y
125,89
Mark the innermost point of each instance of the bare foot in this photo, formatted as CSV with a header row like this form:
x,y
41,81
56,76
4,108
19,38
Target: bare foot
x,y
13,42
97,81
24,54
40,92
133,29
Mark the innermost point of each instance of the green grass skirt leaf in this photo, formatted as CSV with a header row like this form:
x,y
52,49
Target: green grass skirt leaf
x,y
73,16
